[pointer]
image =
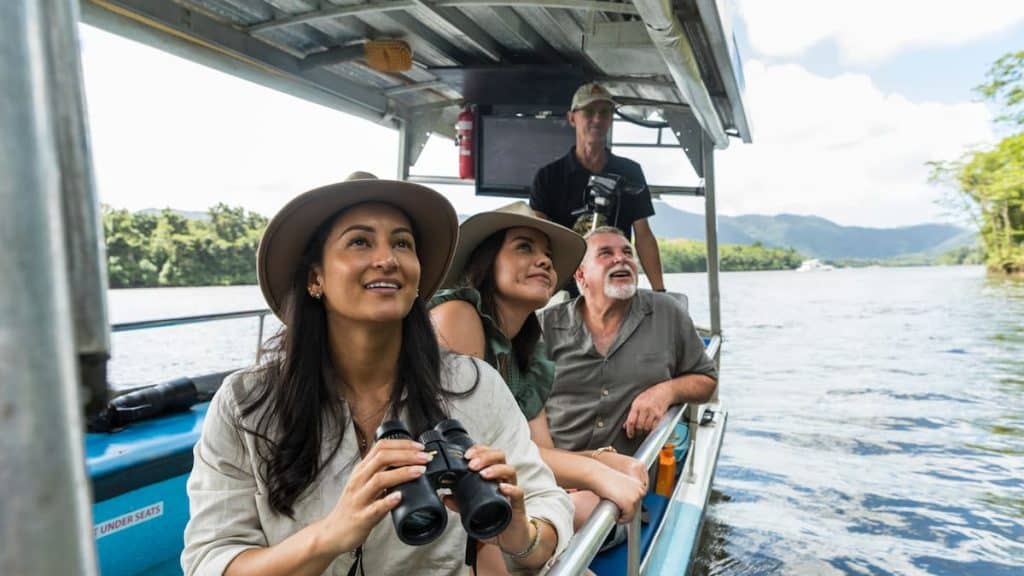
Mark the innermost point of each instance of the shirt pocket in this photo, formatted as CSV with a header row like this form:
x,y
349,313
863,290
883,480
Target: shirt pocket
x,y
654,367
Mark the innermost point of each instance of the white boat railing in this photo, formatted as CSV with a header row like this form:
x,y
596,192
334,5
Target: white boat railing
x,y
260,313
588,540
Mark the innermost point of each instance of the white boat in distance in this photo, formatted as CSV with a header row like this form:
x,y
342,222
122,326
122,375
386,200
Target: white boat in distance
x,y
814,265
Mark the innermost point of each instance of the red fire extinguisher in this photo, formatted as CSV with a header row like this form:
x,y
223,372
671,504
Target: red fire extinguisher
x,y
464,139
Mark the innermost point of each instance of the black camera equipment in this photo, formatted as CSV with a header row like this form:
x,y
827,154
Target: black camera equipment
x,y
601,201
173,396
421,516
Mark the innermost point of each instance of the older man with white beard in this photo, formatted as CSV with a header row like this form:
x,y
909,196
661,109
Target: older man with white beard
x,y
622,356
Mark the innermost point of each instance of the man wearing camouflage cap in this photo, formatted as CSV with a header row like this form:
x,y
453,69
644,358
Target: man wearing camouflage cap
x,y
561,187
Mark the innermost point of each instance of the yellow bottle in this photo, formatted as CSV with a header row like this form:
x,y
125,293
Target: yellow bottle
x,y
666,471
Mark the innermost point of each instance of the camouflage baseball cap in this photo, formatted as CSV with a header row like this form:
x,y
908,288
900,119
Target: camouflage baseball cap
x,y
589,93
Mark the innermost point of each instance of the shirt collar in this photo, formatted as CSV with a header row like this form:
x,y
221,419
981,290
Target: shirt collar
x,y
573,165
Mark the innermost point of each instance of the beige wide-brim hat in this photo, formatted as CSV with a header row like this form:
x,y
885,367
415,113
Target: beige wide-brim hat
x,y
567,247
433,220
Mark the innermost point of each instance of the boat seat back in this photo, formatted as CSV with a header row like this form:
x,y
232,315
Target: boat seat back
x,y
140,507
682,298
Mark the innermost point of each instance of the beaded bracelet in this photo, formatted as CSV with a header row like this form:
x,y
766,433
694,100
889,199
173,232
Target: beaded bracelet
x,y
533,543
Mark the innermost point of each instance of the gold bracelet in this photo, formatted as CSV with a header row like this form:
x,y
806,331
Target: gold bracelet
x,y
602,450
533,543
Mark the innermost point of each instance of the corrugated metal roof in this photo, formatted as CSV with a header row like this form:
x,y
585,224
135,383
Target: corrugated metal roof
x,y
281,36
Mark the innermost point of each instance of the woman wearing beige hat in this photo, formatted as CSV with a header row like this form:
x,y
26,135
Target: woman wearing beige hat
x,y
508,264
288,477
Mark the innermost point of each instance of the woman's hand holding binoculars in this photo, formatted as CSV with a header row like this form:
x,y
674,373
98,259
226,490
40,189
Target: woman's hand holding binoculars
x,y
490,464
362,503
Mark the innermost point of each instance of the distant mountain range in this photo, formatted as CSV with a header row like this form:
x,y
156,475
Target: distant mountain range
x,y
190,214
815,236
812,236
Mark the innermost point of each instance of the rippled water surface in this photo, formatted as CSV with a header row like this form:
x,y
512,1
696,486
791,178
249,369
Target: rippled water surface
x,y
876,416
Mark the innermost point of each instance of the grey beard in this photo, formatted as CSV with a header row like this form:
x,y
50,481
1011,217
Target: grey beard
x,y
619,292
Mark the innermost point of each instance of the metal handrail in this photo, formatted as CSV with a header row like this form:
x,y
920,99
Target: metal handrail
x,y
180,320
586,542
260,313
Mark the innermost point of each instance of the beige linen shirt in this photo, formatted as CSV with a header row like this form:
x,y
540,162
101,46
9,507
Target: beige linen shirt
x,y
230,510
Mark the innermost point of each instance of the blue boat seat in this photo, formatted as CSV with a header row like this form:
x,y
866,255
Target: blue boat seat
x,y
140,504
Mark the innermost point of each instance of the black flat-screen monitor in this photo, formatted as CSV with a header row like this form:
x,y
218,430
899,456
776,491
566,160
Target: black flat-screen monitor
x,y
510,148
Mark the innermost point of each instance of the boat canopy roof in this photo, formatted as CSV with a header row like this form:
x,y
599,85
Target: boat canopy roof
x,y
676,56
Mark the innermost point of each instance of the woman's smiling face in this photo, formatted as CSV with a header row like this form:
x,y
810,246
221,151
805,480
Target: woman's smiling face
x,y
522,269
369,270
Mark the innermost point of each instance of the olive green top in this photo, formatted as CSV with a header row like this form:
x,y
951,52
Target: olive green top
x,y
530,388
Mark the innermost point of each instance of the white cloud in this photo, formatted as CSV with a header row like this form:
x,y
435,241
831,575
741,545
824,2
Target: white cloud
x,y
869,31
169,133
842,149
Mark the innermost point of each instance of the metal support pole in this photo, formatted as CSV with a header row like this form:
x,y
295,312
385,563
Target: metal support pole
x,y
83,225
633,545
711,227
693,426
714,296
403,150
44,509
259,340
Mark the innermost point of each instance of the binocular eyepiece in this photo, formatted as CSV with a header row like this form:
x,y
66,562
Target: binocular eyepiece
x,y
421,516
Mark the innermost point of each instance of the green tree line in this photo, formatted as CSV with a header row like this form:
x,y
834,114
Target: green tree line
x,y
991,181
691,256
168,249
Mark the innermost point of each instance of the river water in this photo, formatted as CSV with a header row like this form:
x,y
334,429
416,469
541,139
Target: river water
x,y
876,416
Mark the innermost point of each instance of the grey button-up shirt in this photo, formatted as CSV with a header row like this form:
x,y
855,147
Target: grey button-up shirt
x,y
230,509
592,394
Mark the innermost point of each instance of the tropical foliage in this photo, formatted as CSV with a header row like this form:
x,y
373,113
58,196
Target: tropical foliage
x,y
691,256
168,249
991,182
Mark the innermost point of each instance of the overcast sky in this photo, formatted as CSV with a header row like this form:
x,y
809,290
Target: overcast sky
x,y
848,100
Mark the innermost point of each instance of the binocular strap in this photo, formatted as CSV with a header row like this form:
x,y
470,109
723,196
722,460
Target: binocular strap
x,y
358,563
472,547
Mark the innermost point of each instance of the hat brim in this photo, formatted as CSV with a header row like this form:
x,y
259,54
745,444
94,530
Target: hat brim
x,y
433,219
567,247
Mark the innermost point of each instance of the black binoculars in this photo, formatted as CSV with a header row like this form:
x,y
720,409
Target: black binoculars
x,y
421,516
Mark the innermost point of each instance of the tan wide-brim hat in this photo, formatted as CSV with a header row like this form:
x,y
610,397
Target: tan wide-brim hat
x,y
433,220
567,247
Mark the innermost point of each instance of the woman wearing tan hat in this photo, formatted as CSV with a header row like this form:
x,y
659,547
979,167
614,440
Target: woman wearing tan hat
x,y
508,264
288,477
